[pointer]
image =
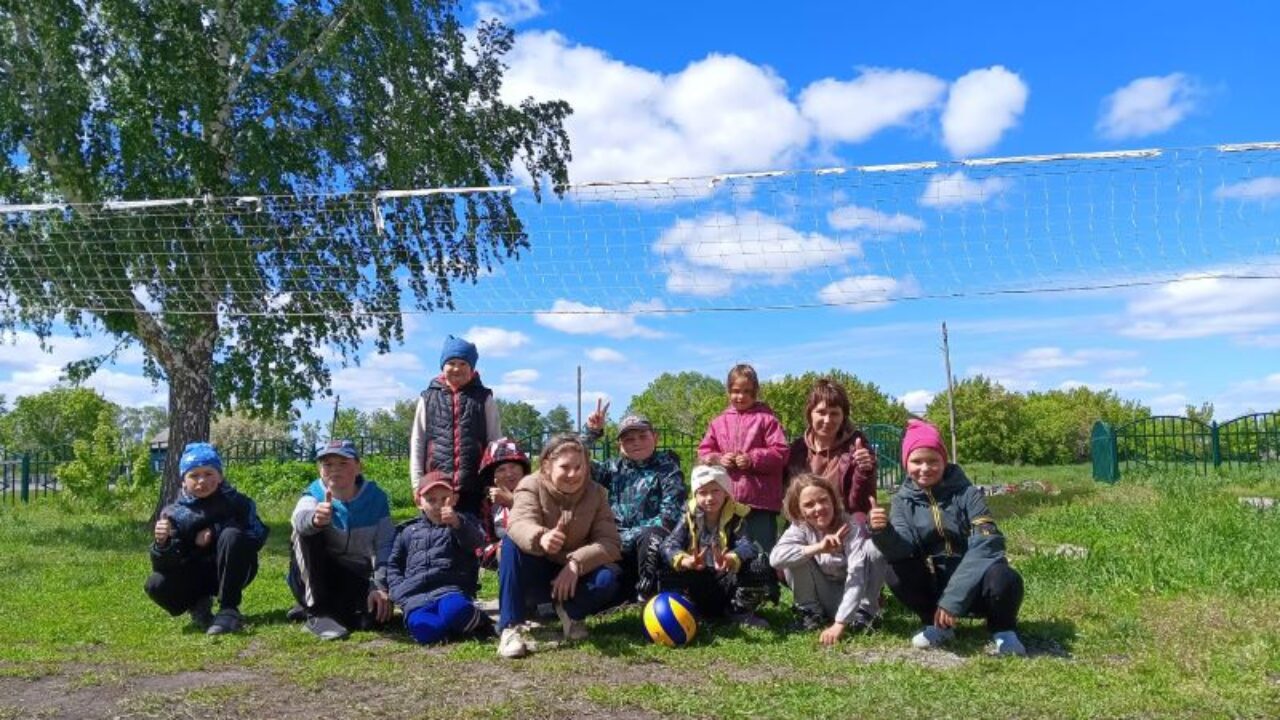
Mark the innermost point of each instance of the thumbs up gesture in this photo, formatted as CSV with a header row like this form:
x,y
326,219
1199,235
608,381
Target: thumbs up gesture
x,y
324,511
164,530
863,458
448,516
878,518
553,539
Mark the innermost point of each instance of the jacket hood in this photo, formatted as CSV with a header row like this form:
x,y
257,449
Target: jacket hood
x,y
953,481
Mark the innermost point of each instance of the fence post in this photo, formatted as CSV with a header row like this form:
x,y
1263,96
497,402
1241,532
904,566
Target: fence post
x,y
26,476
1214,444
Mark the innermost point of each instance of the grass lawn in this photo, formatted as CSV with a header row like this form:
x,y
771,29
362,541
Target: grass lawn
x,y
1158,597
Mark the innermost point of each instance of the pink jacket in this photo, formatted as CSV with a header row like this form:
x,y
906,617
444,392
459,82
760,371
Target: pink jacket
x,y
757,433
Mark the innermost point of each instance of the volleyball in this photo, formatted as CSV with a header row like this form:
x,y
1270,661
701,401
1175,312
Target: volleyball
x,y
669,619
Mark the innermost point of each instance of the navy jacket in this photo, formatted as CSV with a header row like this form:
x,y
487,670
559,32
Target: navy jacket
x,y
225,508
430,560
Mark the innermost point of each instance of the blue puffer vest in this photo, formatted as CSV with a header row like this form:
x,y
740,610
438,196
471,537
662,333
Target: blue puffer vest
x,y
456,430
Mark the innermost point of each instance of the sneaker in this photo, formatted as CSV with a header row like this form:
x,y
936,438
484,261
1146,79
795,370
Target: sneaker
x,y
513,643
749,620
326,628
228,620
808,618
932,636
482,628
574,630
864,622
296,614
366,622
1007,643
202,613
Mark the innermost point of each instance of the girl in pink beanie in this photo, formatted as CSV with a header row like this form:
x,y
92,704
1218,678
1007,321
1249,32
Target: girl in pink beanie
x,y
946,556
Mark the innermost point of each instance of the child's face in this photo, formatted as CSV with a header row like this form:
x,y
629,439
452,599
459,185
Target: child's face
x,y
826,420
339,474
434,499
638,445
742,394
202,481
925,466
457,372
816,507
508,475
568,471
710,498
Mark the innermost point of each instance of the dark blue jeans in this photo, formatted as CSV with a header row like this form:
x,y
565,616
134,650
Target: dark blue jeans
x,y
525,580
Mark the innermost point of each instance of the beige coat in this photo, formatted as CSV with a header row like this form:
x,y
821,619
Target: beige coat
x,y
591,534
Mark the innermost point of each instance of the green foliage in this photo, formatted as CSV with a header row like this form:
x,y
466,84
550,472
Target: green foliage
x,y
1202,414
276,481
237,426
138,425
53,419
96,477
989,420
867,403
1057,424
685,402
557,420
393,423
520,420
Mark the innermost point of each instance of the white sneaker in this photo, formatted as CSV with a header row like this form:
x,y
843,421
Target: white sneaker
x,y
932,636
513,643
574,630
1007,643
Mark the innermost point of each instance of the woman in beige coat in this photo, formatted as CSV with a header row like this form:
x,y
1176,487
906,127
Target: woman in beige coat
x,y
562,545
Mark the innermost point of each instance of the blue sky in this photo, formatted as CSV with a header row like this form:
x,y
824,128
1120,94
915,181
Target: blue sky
x,y
666,90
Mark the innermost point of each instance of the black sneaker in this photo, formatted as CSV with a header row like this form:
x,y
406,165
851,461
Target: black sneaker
x,y
202,613
228,620
296,614
808,619
326,628
864,623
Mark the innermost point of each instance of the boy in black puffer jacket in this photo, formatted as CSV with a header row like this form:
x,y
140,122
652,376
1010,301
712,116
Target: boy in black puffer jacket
x,y
433,566
206,543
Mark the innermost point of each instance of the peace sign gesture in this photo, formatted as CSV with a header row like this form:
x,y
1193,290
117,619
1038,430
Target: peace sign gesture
x,y
595,421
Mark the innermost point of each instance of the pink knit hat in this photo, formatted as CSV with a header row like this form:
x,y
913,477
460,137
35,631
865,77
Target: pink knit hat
x,y
921,434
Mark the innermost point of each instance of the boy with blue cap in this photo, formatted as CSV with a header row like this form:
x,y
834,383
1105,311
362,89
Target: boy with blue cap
x,y
206,543
341,540
455,420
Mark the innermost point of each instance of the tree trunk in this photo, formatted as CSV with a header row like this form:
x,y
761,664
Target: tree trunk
x,y
190,412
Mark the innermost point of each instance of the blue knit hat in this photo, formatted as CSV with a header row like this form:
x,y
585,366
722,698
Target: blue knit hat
x,y
199,454
456,347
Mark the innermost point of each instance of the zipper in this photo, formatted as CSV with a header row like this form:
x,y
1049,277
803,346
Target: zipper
x,y
937,521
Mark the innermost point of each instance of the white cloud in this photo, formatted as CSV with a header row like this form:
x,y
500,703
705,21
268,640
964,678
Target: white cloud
x,y
1125,373
1170,404
577,318
605,355
1249,396
866,292
702,253
523,376
853,217
1027,369
1199,306
917,400
496,341
510,12
719,114
520,392
1257,189
957,188
375,384
852,111
1147,106
981,107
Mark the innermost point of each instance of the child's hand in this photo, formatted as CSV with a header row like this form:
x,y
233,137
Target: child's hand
x,y
691,562
379,605
565,586
595,421
721,561
553,539
324,511
744,461
447,514
943,619
834,542
878,518
862,456
500,496
163,530
831,635
204,537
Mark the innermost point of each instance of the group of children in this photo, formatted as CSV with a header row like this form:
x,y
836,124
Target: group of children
x,y
576,536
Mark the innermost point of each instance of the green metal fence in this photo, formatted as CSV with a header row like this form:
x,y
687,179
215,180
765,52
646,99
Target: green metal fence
x,y
24,476
1166,442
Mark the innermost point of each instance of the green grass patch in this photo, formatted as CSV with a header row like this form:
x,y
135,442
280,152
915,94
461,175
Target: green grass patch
x,y
1156,597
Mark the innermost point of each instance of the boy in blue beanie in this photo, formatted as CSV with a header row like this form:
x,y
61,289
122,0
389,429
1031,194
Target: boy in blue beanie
x,y
455,420
206,543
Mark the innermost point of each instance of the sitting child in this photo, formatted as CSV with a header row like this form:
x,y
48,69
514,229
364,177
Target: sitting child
x,y
834,570
503,467
710,557
206,543
432,570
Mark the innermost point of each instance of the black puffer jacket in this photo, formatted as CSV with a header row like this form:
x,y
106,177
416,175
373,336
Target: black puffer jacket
x,y
429,560
454,433
225,508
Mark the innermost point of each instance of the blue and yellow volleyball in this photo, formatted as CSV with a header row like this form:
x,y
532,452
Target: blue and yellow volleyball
x,y
669,619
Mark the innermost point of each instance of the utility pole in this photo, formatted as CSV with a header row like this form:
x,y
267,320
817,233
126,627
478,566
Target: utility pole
x,y
951,394
579,398
333,424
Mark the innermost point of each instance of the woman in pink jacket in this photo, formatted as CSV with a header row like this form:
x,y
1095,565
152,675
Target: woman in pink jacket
x,y
748,441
